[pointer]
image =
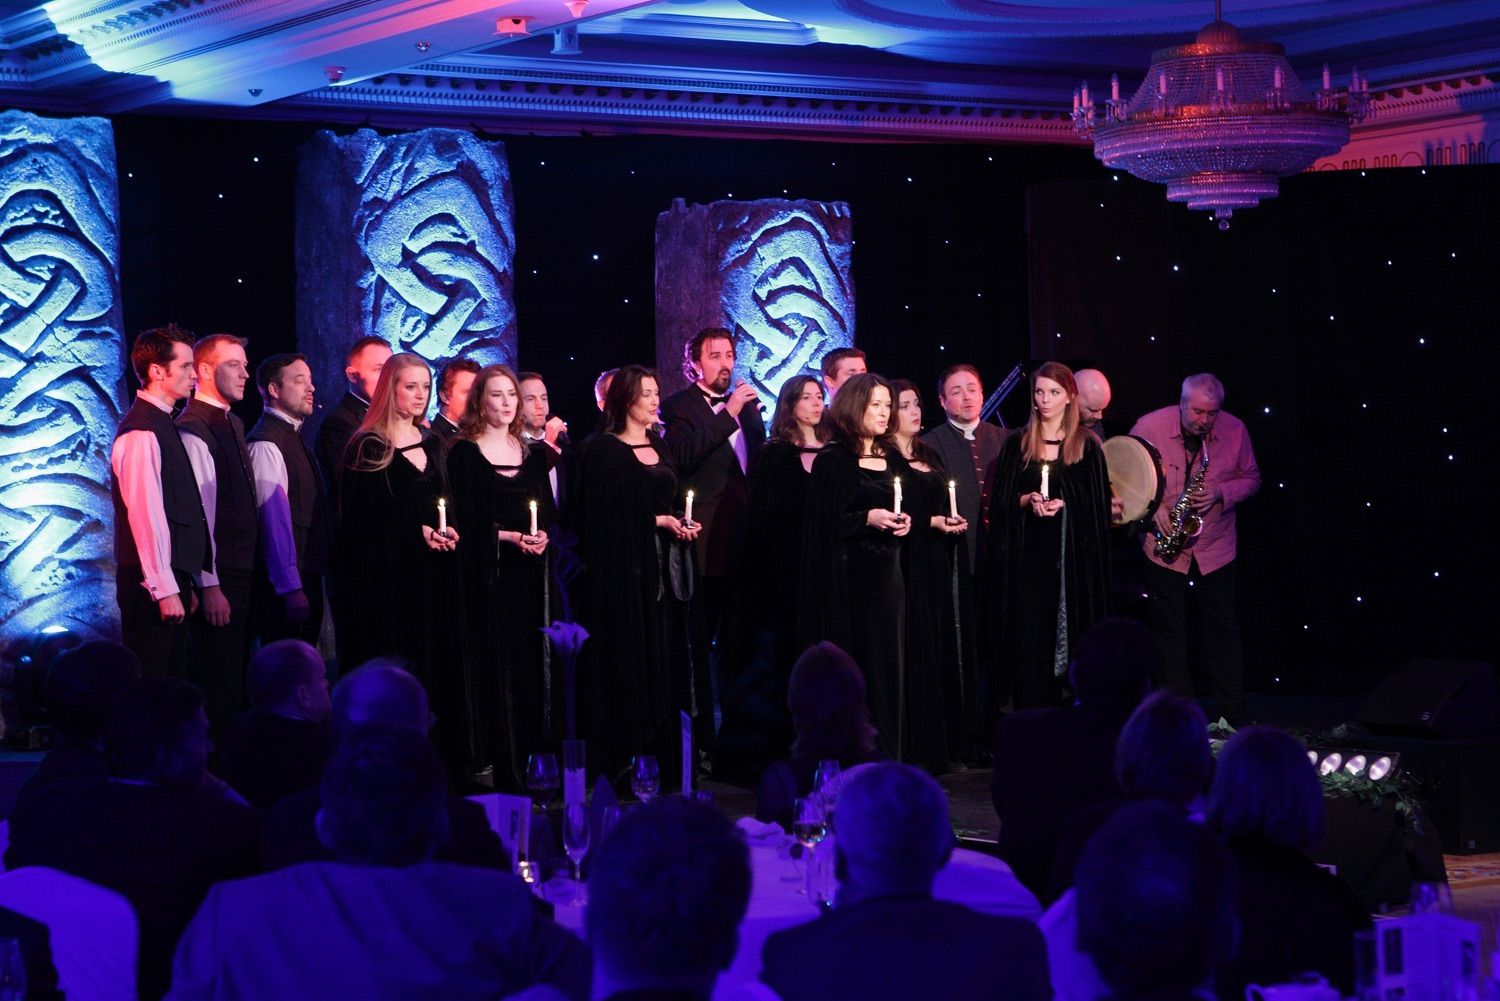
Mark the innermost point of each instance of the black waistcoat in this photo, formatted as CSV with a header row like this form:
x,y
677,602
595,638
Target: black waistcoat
x,y
179,492
304,488
235,524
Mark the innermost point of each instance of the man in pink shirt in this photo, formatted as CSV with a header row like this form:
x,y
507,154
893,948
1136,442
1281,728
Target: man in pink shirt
x,y
1206,562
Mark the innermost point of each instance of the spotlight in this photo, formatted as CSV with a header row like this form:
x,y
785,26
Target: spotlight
x,y
333,73
513,26
1355,766
1380,768
1331,763
575,7
1312,756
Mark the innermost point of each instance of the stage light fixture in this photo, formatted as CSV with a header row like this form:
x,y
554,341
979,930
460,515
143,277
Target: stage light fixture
x,y
515,26
1380,768
1331,763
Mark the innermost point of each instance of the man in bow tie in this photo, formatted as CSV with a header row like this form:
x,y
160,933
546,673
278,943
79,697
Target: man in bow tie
x,y
714,434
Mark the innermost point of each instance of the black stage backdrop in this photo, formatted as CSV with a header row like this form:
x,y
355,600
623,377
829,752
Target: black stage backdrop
x,y
955,248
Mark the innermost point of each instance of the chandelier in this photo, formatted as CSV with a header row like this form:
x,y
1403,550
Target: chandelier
x,y
1218,121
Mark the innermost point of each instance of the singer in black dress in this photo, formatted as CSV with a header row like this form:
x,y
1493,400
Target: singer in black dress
x,y
1050,572
646,657
762,647
852,590
401,590
518,691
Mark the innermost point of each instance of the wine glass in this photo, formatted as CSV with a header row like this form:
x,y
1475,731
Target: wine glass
x,y
828,782
12,971
542,779
645,777
576,843
808,827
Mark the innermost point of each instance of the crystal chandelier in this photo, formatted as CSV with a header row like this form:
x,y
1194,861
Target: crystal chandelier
x,y
1219,120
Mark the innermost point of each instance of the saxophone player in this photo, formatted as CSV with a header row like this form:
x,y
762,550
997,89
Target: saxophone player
x,y
1195,429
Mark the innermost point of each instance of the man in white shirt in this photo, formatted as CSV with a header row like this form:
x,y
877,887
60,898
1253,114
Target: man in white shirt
x,y
539,424
290,502
161,534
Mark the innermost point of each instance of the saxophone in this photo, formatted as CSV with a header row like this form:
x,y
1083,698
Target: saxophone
x,y
1184,521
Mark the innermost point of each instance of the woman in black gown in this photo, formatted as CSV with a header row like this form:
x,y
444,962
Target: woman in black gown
x,y
852,591
757,726
399,572
645,659
496,480
1050,544
940,668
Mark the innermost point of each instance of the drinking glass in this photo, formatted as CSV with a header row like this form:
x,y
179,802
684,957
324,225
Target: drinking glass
x,y
828,782
542,778
808,827
576,843
607,821
645,777
12,971
820,878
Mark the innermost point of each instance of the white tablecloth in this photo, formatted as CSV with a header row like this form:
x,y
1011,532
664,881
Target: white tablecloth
x,y
978,881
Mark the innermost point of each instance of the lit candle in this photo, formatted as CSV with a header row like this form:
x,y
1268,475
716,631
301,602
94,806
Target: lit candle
x,y
1085,94
442,516
1075,99
1278,77
898,495
533,519
1046,470
953,499
1219,79
1161,83
1114,86
687,512
1327,78
1354,79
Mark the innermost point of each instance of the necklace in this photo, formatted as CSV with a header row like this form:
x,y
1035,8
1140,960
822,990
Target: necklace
x,y
1049,441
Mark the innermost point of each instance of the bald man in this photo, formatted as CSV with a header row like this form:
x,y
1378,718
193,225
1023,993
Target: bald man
x,y
1093,399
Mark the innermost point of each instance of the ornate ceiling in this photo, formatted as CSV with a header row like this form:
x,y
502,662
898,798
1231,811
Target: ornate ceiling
x,y
948,70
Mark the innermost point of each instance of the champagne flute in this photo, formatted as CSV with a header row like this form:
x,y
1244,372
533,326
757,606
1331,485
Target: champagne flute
x,y
645,777
828,782
542,779
576,843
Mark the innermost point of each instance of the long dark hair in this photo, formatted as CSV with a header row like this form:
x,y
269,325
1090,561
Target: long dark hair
x,y
847,415
784,424
624,389
920,450
826,695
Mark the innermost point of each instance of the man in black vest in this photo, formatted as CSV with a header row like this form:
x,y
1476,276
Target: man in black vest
x,y
215,441
455,381
290,499
161,535
364,362
714,435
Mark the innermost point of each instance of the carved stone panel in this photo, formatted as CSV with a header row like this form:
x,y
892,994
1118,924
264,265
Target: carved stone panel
x,y
61,373
776,272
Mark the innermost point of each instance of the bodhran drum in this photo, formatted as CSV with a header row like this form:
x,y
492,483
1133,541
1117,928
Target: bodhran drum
x,y
1135,476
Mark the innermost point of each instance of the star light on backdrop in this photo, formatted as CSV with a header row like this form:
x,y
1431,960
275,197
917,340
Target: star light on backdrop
x,y
1219,120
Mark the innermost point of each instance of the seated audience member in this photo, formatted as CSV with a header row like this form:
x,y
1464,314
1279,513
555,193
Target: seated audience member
x,y
826,694
159,833
1155,905
35,942
886,936
1163,754
668,890
382,696
1266,804
384,920
81,685
280,745
1049,762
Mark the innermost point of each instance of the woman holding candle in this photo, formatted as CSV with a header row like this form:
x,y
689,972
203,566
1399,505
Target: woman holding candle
x,y
646,658
852,592
1049,537
400,576
940,654
502,498
763,645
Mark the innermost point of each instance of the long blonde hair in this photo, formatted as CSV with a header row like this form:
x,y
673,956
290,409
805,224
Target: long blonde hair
x,y
381,418
1033,447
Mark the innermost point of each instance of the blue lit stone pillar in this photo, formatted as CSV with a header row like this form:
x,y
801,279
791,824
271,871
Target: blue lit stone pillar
x,y
776,272
409,238
61,373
